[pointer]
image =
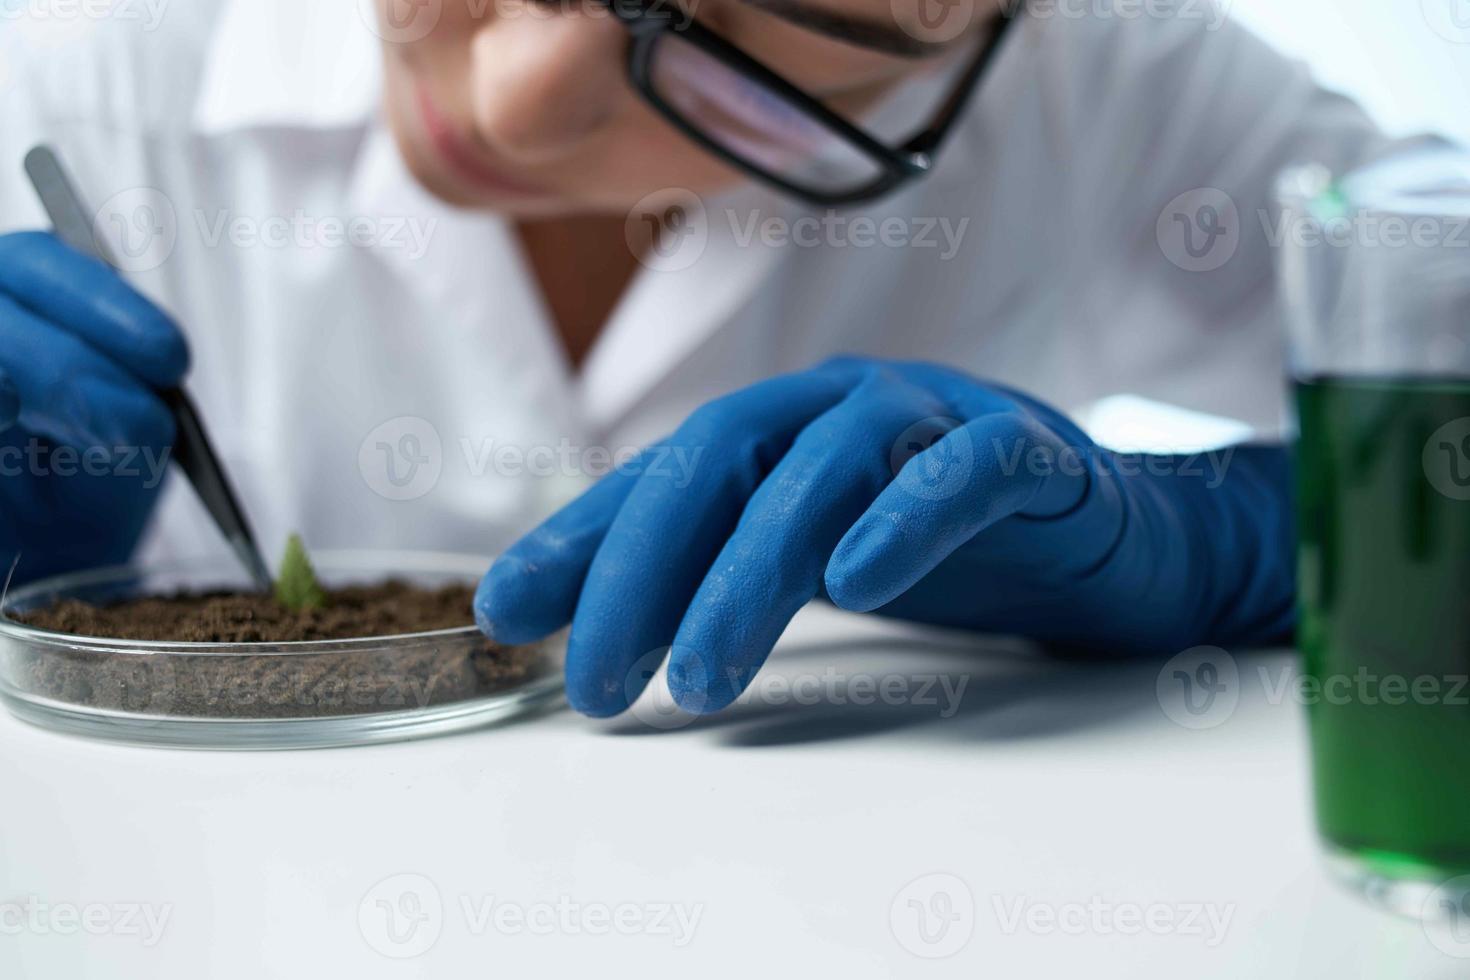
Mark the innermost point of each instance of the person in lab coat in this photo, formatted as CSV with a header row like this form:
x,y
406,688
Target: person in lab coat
x,y
435,268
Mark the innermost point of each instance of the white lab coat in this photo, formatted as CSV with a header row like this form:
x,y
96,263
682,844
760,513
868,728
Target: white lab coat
x,y
320,364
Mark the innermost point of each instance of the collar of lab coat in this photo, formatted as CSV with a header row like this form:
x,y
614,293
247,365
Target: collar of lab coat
x,y
477,276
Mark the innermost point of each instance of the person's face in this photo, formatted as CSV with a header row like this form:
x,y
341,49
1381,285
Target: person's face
x,y
524,107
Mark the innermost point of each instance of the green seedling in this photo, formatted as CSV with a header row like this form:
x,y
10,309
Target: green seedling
x,y
296,587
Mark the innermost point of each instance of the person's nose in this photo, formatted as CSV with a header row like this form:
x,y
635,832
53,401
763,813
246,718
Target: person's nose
x,y
546,79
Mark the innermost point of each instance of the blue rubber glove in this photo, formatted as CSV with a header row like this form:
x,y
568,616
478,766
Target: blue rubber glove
x,y
84,439
907,489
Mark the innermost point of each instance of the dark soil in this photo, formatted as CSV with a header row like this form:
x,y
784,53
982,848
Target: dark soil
x,y
410,674
390,609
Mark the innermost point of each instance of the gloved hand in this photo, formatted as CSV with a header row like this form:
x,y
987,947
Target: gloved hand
x,y
847,479
83,437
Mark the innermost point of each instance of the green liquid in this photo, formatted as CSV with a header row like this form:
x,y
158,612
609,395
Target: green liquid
x,y
1385,593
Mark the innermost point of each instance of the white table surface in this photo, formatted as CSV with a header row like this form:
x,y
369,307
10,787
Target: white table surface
x,y
791,836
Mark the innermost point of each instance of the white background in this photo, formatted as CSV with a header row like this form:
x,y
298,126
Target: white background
x,y
1385,53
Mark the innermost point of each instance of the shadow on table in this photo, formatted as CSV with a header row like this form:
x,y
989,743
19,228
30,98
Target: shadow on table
x,y
951,691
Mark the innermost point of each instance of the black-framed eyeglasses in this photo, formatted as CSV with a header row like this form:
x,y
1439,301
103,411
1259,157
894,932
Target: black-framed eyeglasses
x,y
754,119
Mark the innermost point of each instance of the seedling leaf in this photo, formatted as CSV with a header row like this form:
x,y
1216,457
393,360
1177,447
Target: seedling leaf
x,y
296,587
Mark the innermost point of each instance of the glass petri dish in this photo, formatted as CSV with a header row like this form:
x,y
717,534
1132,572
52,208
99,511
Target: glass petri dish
x,y
308,694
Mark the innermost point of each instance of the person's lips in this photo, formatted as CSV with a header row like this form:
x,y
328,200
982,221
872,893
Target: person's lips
x,y
463,158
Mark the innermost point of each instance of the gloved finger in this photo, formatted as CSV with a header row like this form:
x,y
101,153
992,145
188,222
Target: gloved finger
x,y
772,565
89,299
70,393
977,400
994,467
9,402
531,590
672,525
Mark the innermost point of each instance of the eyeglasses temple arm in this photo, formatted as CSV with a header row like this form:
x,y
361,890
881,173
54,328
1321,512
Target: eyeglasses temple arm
x,y
929,139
